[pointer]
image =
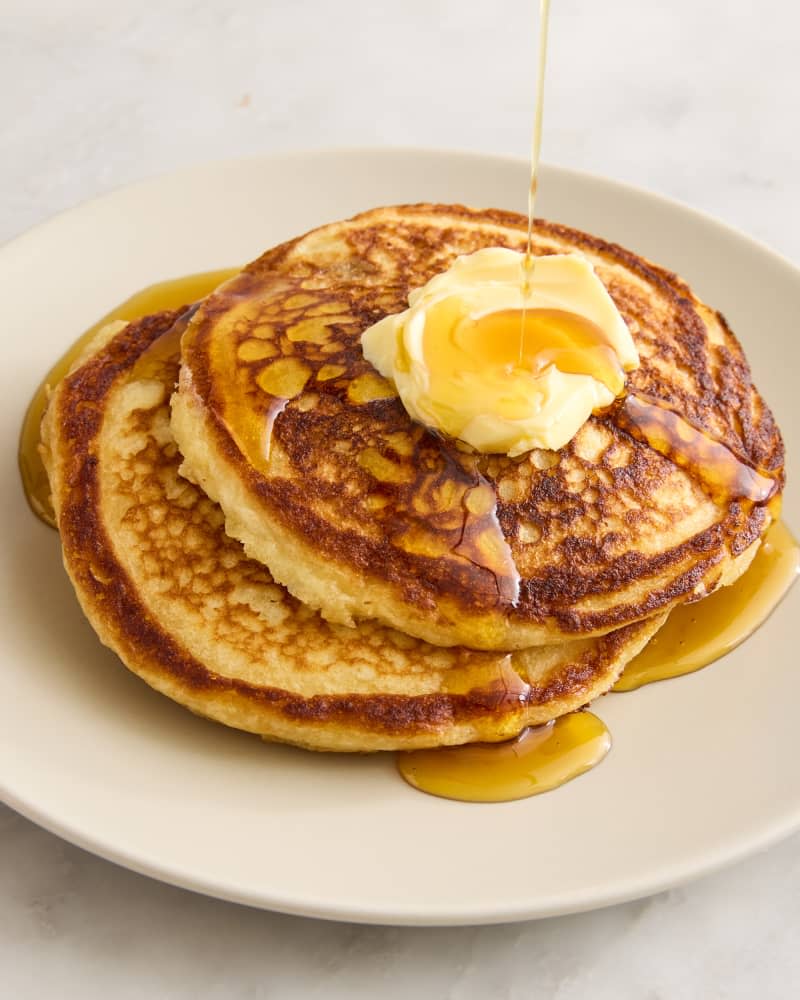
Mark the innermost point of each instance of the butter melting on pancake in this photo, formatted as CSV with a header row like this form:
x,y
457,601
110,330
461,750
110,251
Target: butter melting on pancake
x,y
506,367
364,514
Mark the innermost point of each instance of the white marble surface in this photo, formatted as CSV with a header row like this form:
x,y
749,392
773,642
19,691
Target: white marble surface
x,y
696,100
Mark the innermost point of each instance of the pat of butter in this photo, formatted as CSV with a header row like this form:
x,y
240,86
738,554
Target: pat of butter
x,y
465,364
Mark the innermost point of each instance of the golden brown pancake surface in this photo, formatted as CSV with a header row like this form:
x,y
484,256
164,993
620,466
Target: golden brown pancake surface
x,y
166,588
366,515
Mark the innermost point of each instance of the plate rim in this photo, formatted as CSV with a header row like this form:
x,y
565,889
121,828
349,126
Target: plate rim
x,y
408,915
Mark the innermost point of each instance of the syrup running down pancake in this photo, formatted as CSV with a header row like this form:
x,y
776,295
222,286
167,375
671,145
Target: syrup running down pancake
x,y
365,515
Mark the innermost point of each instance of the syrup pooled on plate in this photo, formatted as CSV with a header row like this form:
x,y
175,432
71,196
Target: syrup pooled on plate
x,y
154,298
538,760
696,635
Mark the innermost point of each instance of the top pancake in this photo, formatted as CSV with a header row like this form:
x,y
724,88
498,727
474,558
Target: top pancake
x,y
362,513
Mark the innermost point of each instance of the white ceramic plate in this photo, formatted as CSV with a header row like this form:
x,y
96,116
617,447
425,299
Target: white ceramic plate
x,y
703,769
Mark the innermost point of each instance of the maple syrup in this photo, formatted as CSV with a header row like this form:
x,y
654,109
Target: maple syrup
x,y
461,522
722,474
496,684
512,338
539,759
481,540
696,635
154,298
164,351
536,144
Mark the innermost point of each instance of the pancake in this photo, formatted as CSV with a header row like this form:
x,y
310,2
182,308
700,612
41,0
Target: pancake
x,y
365,515
178,600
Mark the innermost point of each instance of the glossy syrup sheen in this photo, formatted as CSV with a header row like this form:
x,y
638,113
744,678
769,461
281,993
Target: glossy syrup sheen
x,y
696,635
500,686
513,339
461,521
722,474
154,298
538,760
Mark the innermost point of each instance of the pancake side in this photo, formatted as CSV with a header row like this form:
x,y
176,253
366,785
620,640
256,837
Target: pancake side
x,y
177,599
364,514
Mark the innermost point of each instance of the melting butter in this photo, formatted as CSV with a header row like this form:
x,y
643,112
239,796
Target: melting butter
x,y
478,358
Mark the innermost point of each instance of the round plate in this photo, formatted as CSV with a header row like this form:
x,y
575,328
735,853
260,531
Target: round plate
x,y
703,769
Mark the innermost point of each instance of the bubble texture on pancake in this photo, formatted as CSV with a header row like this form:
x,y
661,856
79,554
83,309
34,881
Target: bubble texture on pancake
x,y
166,588
365,515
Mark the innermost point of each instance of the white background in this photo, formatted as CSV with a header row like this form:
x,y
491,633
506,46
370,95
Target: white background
x,y
697,100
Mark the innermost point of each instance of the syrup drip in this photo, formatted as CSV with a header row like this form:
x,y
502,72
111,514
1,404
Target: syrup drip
x,y
482,542
154,298
251,412
164,350
497,685
464,525
538,760
715,465
696,635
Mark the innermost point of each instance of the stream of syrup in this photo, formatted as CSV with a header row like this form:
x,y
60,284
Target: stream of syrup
x,y
536,148
533,185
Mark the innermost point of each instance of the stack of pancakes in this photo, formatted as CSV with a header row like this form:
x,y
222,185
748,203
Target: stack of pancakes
x,y
255,525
